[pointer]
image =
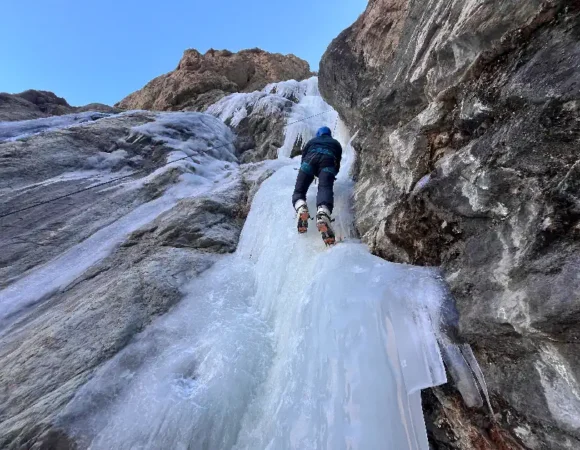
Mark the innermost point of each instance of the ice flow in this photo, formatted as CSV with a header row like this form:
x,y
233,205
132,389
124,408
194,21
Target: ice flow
x,y
283,345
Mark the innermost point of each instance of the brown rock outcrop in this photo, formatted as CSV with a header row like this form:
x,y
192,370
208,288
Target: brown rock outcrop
x,y
201,80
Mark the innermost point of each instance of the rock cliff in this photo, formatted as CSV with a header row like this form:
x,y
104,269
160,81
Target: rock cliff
x,y
201,80
110,258
469,119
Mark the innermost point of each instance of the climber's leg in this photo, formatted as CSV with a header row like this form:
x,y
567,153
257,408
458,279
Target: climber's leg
x,y
325,203
303,182
325,196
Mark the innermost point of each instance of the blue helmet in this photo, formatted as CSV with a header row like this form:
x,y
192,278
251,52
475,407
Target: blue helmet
x,y
322,131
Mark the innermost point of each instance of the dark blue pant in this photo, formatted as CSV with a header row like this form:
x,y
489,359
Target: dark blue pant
x,y
326,177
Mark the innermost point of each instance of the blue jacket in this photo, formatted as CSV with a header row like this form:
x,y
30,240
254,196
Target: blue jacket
x,y
326,146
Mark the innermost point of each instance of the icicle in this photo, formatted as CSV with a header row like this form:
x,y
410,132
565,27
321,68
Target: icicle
x,y
462,375
467,353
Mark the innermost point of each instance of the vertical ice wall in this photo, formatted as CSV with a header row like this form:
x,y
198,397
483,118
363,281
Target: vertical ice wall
x,y
308,113
284,345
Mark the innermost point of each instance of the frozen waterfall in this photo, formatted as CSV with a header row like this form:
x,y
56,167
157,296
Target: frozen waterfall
x,y
283,345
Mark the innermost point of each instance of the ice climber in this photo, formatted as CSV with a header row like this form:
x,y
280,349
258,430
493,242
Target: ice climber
x,y
320,158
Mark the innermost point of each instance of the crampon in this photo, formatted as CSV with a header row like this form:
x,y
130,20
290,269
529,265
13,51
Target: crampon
x,y
323,221
327,234
303,217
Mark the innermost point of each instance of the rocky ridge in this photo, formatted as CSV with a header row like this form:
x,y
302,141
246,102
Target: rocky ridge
x,y
469,126
33,104
201,80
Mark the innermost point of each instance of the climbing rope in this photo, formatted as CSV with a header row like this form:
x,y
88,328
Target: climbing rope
x,y
335,124
94,186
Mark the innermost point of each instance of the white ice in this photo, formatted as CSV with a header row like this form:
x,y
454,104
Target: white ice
x,y
307,112
95,176
11,131
207,137
210,146
283,345
308,115
236,107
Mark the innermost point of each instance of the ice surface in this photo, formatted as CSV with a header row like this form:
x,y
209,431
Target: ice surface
x,y
471,360
307,116
11,131
96,176
283,345
60,272
206,135
236,107
211,148
461,374
306,110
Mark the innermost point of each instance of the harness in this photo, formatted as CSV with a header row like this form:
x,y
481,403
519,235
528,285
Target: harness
x,y
322,151
307,168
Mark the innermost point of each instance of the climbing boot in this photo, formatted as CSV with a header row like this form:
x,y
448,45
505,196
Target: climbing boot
x,y
302,215
323,223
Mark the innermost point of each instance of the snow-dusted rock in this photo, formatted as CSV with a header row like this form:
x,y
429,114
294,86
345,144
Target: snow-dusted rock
x,y
108,260
33,104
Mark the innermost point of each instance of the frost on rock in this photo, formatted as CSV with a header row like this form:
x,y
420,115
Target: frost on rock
x,y
22,129
207,146
297,103
104,160
192,134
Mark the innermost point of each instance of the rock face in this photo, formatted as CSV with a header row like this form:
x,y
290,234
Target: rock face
x,y
201,80
469,119
274,120
34,104
258,119
107,260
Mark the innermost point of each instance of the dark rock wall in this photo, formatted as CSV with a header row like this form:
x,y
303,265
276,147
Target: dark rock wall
x,y
469,158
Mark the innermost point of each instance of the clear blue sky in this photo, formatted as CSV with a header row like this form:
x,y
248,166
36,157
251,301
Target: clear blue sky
x,y
101,50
